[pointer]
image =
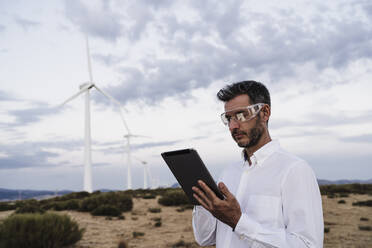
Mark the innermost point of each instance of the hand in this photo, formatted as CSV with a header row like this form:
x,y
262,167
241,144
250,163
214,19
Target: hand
x,y
228,210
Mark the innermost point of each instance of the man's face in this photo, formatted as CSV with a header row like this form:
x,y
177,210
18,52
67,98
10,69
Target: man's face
x,y
246,134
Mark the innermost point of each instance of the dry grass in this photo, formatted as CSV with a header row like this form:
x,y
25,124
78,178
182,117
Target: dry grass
x,y
343,221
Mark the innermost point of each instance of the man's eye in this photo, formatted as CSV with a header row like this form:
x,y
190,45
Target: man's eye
x,y
240,117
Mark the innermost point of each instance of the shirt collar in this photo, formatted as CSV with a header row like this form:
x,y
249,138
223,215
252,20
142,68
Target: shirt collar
x,y
263,153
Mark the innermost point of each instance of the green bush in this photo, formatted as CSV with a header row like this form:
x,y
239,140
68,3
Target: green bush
x,y
355,188
106,210
367,203
123,244
74,195
182,243
174,198
29,206
6,206
138,234
154,210
149,196
119,200
365,228
72,204
39,231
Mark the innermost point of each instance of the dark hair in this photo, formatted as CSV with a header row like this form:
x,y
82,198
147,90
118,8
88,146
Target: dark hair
x,y
256,91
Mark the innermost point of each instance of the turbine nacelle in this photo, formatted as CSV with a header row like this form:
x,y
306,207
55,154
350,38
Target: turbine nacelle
x,y
86,86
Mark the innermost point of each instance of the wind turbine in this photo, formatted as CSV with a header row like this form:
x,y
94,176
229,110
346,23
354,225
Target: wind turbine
x,y
146,174
85,88
128,137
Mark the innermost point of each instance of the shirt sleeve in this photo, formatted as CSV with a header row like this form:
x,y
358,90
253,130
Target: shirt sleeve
x,y
204,225
302,212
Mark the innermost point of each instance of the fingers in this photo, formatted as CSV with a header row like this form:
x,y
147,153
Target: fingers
x,y
211,195
204,204
201,197
224,190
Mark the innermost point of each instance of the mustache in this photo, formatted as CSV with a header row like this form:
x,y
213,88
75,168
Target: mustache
x,y
237,132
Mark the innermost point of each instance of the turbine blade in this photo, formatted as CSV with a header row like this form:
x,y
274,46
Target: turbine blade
x,y
137,136
118,104
89,61
74,96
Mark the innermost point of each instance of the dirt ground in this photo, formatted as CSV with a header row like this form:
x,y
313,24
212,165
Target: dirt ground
x,y
343,221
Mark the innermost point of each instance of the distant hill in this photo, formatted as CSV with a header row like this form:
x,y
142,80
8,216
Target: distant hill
x,y
320,182
344,181
12,195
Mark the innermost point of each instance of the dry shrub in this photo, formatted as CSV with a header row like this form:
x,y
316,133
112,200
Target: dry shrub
x,y
6,206
29,206
182,243
154,210
367,203
365,228
119,200
174,198
106,210
123,244
138,234
39,231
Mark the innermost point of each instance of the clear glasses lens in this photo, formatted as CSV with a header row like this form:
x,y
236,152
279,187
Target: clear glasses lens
x,y
241,115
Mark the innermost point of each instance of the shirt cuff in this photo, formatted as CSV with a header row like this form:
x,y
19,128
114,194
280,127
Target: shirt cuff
x,y
246,227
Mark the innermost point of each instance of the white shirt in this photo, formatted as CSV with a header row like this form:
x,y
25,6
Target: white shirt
x,y
280,202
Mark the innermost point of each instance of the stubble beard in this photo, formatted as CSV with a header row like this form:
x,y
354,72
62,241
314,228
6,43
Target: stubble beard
x,y
254,135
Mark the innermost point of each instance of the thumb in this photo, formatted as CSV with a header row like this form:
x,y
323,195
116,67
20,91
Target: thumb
x,y
224,190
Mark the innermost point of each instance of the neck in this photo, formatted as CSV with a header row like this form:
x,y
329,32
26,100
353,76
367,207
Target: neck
x,y
265,138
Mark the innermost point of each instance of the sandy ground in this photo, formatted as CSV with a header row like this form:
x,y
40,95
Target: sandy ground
x,y
342,219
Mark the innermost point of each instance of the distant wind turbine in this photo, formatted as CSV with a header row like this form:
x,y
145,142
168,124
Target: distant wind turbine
x,y
129,155
146,174
85,88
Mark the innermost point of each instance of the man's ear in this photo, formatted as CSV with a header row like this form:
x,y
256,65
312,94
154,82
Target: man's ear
x,y
265,112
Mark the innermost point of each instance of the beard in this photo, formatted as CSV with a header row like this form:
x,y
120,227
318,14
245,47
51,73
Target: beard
x,y
254,135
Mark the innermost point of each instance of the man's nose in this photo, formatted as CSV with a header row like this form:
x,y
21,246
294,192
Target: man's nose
x,y
233,124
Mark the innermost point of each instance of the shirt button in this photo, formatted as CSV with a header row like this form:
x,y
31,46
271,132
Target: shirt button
x,y
241,236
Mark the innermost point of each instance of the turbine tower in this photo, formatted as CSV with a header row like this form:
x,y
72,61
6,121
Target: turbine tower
x,y
128,137
85,88
146,175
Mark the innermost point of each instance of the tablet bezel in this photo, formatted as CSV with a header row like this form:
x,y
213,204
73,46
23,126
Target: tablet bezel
x,y
187,167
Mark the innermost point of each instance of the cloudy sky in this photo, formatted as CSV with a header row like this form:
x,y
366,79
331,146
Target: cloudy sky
x,y
164,61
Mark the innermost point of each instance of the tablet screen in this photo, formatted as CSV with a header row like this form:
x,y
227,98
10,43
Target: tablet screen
x,y
188,168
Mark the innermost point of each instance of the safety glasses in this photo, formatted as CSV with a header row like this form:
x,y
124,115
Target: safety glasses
x,y
243,114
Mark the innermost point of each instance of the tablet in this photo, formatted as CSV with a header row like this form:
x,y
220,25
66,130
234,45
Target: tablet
x,y
188,168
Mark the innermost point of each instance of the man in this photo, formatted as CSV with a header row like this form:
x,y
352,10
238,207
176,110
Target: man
x,y
273,199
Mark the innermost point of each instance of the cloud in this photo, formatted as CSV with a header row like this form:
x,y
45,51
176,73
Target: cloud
x,y
26,24
114,148
108,59
323,120
235,43
2,28
101,22
31,115
4,96
24,155
367,138
337,166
